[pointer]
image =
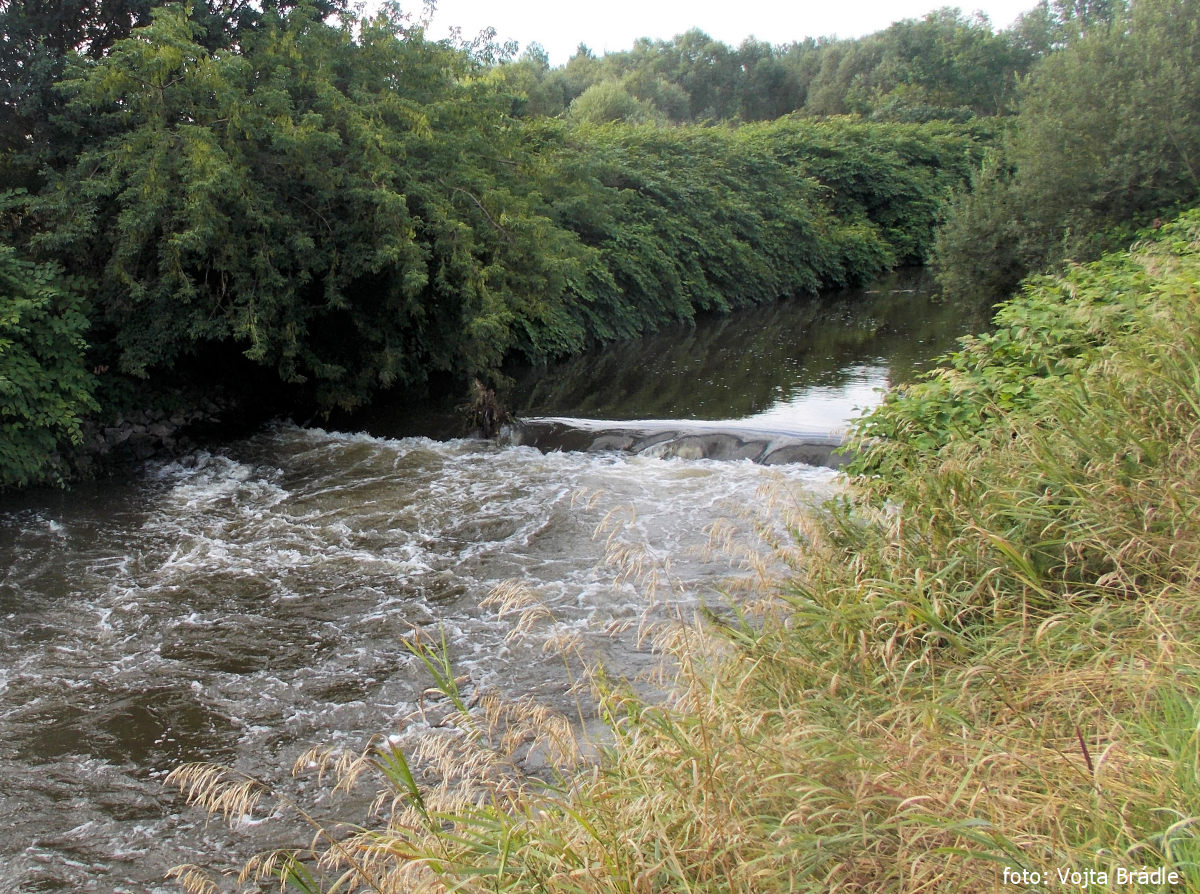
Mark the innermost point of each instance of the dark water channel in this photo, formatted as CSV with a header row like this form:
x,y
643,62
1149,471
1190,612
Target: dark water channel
x,y
807,365
242,604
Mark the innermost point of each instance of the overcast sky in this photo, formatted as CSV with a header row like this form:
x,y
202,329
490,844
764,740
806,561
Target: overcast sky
x,y
612,25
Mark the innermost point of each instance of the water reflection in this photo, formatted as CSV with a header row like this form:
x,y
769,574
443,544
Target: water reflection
x,y
806,363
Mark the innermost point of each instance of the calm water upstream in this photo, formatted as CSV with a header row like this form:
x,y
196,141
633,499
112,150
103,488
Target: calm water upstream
x,y
243,604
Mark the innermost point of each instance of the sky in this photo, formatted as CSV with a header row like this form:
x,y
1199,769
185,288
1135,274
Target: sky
x,y
613,25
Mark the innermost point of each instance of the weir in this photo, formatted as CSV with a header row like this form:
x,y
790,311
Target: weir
x,y
691,439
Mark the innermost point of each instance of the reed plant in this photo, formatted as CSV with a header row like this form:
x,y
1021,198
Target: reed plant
x,y
980,671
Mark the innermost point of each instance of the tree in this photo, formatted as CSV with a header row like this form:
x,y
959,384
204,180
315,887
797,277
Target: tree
x,y
770,89
39,37
1108,135
609,101
238,196
36,37
944,65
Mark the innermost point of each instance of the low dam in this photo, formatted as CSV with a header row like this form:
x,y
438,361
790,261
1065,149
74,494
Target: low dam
x,y
681,439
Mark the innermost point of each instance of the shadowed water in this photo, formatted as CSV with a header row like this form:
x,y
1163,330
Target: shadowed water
x,y
805,364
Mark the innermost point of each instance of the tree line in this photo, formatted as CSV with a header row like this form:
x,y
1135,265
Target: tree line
x,y
945,65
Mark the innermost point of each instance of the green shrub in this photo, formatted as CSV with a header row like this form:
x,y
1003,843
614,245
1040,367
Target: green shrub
x,y
44,386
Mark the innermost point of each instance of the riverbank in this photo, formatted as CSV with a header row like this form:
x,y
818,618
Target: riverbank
x,y
979,676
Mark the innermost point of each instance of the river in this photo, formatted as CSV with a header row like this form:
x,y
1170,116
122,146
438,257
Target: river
x,y
242,603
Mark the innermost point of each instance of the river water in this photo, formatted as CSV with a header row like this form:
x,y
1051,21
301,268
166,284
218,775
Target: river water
x,y
241,604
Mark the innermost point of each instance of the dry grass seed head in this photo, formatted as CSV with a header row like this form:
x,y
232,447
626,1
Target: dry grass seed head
x,y
193,879
218,789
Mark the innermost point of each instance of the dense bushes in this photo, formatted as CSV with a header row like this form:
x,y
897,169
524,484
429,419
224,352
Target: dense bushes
x,y
1047,334
1044,389
702,219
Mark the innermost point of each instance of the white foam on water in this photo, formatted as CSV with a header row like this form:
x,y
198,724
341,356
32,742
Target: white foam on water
x,y
258,601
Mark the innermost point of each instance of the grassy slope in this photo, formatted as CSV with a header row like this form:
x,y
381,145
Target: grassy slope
x,y
986,659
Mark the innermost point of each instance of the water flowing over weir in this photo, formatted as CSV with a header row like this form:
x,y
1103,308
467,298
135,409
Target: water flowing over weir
x,y
244,604
683,440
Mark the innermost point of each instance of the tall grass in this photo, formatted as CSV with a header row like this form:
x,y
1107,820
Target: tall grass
x,y
985,661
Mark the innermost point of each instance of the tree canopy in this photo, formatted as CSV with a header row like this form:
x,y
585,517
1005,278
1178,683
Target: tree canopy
x,y
945,65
